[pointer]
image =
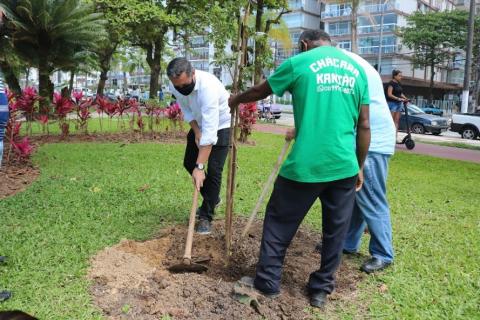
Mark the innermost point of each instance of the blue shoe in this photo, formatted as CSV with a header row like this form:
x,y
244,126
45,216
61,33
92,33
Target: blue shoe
x,y
204,227
5,295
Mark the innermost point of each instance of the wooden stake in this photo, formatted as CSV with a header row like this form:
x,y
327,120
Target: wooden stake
x,y
232,157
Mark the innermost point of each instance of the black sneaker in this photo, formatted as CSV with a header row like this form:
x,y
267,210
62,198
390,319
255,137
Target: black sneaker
x,y
3,259
374,264
318,299
204,226
5,295
248,282
219,202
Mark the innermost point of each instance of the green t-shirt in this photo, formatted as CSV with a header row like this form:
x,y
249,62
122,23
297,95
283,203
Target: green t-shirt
x,y
328,88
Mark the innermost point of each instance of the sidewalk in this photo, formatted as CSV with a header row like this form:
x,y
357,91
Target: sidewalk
x,y
420,148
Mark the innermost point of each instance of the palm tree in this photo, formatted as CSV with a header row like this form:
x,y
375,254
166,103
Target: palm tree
x,y
50,33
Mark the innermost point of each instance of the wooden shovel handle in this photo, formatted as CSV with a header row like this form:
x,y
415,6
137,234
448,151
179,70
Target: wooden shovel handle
x,y
266,187
191,227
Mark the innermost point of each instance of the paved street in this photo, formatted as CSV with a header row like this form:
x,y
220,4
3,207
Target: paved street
x,y
449,136
420,148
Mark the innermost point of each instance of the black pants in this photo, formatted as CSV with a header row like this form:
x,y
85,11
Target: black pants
x,y
288,205
213,180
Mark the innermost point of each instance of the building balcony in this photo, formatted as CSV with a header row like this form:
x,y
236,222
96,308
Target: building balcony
x,y
386,49
336,13
379,8
340,32
388,27
362,10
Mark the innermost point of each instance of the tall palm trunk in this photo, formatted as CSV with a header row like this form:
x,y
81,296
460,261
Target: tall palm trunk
x,y
102,82
70,84
45,85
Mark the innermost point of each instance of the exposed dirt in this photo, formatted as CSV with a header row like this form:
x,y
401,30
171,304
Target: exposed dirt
x,y
16,177
125,137
131,281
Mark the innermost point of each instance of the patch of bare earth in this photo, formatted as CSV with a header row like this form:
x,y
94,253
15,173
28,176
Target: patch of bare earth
x,y
15,177
131,281
125,137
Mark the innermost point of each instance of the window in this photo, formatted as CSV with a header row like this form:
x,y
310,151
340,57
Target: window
x,y
346,44
199,54
198,42
295,4
372,24
295,36
371,45
293,20
339,28
337,10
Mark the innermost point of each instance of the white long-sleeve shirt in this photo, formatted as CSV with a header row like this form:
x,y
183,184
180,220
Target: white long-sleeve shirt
x,y
207,104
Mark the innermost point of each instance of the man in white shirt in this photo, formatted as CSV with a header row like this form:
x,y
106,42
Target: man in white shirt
x,y
204,102
371,206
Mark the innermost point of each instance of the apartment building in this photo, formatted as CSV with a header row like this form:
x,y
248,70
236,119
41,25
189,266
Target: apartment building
x,y
375,44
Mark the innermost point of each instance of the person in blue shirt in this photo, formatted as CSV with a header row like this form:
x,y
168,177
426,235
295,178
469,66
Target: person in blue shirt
x,y
3,115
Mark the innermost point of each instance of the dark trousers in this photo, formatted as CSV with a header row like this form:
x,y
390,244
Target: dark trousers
x,y
289,203
213,175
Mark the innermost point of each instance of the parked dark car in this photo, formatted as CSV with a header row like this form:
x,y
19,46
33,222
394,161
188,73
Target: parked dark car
x,y
431,109
420,122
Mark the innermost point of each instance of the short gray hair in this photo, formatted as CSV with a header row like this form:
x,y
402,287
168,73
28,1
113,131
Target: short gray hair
x,y
178,66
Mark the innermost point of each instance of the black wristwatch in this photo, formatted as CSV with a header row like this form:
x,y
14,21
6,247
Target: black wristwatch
x,y
200,166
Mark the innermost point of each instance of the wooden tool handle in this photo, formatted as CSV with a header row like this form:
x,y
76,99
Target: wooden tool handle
x,y
191,227
266,187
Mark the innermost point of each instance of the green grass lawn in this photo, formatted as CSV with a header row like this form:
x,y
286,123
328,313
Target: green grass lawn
x,y
88,197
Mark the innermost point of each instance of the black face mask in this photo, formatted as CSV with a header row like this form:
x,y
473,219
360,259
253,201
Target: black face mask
x,y
186,89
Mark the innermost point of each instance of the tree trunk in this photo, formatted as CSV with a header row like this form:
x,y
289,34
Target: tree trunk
x,y
101,83
10,78
70,85
45,86
125,81
258,45
432,77
354,26
27,77
154,57
476,92
105,58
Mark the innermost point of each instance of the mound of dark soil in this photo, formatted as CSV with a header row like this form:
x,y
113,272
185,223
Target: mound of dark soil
x,y
131,279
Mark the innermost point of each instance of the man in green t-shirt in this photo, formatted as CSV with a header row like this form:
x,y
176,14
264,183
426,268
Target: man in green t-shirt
x,y
330,105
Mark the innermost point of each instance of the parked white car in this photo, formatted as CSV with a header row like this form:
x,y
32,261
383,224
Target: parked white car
x,y
467,124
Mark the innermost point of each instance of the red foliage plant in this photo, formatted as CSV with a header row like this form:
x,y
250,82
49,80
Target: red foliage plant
x,y
77,95
248,117
62,105
23,149
174,112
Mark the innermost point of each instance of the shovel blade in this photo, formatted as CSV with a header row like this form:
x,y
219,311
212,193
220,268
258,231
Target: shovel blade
x,y
187,268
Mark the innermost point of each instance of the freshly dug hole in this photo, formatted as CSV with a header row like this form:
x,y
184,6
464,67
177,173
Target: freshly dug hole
x,y
131,281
